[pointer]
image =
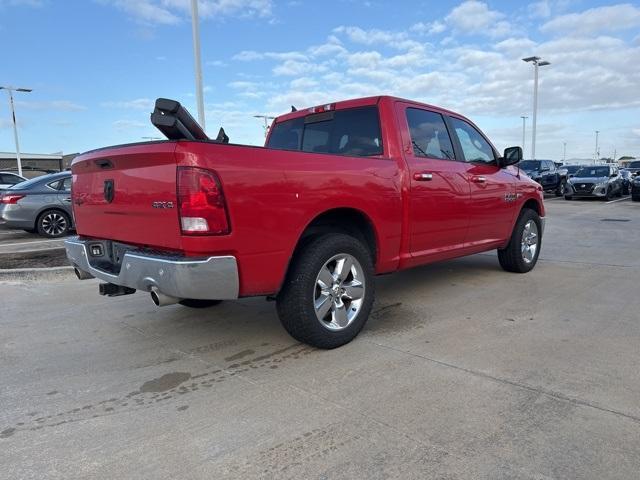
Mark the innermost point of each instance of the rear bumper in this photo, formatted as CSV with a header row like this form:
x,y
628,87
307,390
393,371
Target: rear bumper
x,y
16,217
214,278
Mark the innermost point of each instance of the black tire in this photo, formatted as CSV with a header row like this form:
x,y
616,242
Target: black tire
x,y
511,258
561,188
635,198
295,302
608,195
53,223
197,303
568,197
619,193
625,190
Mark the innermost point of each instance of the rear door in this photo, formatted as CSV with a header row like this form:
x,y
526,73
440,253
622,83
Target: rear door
x,y
492,189
439,186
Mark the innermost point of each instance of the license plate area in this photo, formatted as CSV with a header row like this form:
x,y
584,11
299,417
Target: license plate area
x,y
107,255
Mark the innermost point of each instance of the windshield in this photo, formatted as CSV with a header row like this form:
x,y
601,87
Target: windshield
x,y
593,172
572,168
530,165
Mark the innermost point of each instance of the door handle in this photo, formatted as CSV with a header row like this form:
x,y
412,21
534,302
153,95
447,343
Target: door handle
x,y
479,179
423,177
67,199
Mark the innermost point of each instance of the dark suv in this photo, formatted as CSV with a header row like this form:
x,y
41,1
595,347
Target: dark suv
x,y
546,174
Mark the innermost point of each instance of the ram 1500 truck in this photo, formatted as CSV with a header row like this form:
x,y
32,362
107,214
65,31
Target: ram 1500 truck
x,y
340,192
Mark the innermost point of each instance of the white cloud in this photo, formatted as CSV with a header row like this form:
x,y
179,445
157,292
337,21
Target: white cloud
x,y
377,37
430,28
539,9
475,17
124,125
612,18
54,105
168,12
136,104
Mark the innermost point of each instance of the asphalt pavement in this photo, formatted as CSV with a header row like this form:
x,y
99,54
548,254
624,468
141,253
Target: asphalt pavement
x,y
462,372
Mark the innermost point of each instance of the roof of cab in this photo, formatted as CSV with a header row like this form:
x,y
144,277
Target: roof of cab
x,y
359,102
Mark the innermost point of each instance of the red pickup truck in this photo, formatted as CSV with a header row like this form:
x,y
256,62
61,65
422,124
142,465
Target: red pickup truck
x,y
339,193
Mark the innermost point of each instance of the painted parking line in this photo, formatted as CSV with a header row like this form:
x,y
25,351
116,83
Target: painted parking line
x,y
618,200
29,243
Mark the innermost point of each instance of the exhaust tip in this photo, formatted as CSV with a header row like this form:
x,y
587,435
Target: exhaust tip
x,y
154,298
81,274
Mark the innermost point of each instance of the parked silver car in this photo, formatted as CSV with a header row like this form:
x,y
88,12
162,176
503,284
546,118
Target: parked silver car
x,y
42,204
602,181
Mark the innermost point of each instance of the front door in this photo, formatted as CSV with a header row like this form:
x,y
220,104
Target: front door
x,y
493,190
439,187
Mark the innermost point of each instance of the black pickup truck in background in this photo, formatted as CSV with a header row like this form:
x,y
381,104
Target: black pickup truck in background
x,y
546,174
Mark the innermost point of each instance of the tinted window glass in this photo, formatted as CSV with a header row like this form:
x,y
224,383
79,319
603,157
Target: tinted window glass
x,y
474,146
429,135
66,184
355,132
10,179
55,185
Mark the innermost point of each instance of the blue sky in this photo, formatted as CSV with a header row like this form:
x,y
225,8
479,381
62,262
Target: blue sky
x,y
97,65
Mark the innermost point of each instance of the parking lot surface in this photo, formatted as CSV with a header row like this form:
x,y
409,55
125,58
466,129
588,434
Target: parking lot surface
x,y
463,371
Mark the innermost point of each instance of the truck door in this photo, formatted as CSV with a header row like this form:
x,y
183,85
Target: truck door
x,y
438,197
493,190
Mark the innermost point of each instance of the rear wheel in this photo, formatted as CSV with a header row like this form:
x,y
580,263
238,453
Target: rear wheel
x,y
329,291
609,194
561,188
197,303
521,254
53,224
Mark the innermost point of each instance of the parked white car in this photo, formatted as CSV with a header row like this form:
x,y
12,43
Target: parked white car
x,y
8,179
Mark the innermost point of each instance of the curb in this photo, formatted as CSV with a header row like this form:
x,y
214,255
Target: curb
x,y
37,274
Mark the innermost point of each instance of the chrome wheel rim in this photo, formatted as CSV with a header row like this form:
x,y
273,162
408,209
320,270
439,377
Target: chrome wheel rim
x,y
54,223
339,292
529,241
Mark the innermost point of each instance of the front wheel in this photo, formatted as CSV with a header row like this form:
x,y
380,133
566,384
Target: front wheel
x,y
521,254
328,292
561,188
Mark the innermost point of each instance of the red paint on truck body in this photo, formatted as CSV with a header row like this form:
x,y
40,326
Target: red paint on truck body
x,y
273,195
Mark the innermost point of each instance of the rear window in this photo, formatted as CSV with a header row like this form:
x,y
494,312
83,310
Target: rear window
x,y
355,132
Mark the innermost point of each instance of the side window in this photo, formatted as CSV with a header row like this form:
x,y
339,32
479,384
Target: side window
x,y
429,135
10,179
286,135
474,147
551,166
66,184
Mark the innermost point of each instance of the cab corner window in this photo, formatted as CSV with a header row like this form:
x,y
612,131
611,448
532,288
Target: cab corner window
x,y
474,147
429,135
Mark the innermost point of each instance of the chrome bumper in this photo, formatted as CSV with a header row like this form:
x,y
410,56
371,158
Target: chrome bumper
x,y
214,278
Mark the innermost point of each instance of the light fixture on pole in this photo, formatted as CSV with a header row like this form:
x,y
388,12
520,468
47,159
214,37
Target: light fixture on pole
x,y
524,121
13,119
537,62
195,26
266,122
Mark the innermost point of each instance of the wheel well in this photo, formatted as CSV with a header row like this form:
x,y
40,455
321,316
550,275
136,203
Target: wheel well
x,y
341,220
531,204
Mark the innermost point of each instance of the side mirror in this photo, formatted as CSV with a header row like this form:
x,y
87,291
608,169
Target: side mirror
x,y
512,155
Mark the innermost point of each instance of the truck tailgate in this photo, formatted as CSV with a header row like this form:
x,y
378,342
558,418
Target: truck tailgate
x,y
128,194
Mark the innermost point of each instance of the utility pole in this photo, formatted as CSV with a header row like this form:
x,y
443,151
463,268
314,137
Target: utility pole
x,y
195,27
524,121
13,119
266,122
564,152
597,153
537,62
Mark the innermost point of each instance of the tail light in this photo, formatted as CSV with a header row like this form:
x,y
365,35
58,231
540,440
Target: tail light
x,y
201,203
10,199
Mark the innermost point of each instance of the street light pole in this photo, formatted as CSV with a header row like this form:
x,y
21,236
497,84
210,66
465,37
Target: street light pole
x,y
536,63
266,122
13,119
597,153
195,26
524,121
564,152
